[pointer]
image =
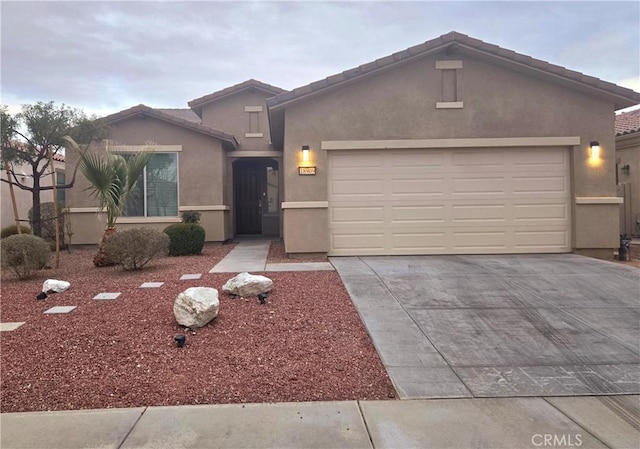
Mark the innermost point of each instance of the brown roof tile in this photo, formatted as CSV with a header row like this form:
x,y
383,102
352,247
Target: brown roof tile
x,y
141,109
186,114
628,122
623,97
251,83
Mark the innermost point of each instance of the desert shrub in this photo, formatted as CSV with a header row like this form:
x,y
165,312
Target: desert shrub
x,y
48,225
25,254
134,248
186,238
13,230
190,216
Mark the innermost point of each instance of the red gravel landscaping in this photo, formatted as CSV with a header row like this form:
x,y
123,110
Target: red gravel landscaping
x,y
306,344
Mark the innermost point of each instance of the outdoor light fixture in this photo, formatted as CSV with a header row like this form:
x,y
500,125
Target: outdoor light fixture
x,y
305,153
180,340
594,149
263,298
625,169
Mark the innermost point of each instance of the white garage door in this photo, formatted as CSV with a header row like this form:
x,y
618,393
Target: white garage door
x,y
464,201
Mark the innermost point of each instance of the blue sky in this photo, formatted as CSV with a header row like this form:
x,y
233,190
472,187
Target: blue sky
x,y
107,56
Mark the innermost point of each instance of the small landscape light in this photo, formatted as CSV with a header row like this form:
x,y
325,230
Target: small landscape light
x,y
180,340
42,295
263,298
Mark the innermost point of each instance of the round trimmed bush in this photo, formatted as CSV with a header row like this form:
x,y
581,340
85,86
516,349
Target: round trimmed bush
x,y
185,238
25,254
134,248
13,230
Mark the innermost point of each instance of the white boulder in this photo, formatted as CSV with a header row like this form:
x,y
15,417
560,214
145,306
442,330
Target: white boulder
x,y
55,286
196,306
246,284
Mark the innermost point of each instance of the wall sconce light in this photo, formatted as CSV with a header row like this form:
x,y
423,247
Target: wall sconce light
x,y
625,169
305,153
594,152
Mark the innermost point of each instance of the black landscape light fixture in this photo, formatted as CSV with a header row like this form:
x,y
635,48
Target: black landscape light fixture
x,y
180,340
263,298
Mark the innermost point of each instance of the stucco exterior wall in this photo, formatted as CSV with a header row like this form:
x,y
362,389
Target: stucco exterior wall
x,y
400,103
201,181
628,153
228,114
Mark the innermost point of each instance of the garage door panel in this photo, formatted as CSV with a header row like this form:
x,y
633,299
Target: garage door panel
x,y
417,186
478,186
357,215
480,213
424,241
358,242
478,201
357,188
540,212
417,160
539,184
417,214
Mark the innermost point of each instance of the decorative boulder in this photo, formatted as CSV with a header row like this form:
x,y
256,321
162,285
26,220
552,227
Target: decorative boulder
x,y
55,286
196,306
246,284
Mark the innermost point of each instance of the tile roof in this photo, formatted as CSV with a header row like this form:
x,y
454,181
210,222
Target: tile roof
x,y
628,122
251,83
141,109
186,114
22,146
454,42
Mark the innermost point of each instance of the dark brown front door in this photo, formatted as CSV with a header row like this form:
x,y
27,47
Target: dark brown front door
x,y
249,187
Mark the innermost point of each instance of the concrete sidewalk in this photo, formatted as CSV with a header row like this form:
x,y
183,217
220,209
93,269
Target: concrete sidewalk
x,y
586,422
251,256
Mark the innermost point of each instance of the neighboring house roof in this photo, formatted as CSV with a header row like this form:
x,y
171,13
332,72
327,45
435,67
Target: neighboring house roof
x,y
186,114
197,104
171,118
456,42
628,122
19,145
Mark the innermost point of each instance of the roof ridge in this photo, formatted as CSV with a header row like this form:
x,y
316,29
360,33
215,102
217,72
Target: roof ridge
x,y
453,40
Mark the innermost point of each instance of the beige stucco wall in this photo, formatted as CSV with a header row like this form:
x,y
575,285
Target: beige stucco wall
x,y
201,181
498,102
628,153
23,198
228,114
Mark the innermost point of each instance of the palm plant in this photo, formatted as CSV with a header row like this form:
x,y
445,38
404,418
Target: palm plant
x,y
113,180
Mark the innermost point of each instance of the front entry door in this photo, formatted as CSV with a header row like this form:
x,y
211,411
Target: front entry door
x,y
249,186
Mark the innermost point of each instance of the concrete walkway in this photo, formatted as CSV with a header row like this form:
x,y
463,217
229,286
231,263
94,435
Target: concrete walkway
x,y
585,422
251,256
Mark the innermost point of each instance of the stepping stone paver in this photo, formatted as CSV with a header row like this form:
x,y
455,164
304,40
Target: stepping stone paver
x,y
187,277
106,295
152,285
60,309
8,327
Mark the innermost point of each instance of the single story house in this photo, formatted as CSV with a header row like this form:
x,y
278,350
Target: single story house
x,y
628,170
454,146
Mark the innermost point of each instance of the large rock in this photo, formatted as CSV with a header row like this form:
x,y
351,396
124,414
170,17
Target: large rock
x,y
196,306
246,284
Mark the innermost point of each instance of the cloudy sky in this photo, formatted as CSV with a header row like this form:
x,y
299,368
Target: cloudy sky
x,y
105,56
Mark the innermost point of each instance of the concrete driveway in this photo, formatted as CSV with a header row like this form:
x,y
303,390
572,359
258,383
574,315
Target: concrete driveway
x,y
500,326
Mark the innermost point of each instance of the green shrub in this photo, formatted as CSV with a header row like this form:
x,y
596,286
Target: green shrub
x,y
48,224
25,254
186,238
190,216
13,230
134,248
